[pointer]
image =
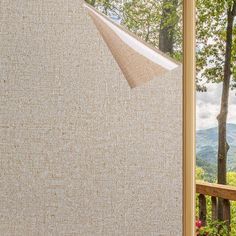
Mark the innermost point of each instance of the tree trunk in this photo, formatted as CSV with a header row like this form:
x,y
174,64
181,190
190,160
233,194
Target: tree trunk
x,y
167,26
223,146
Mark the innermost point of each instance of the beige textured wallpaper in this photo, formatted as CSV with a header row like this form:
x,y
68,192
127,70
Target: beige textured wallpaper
x,y
82,153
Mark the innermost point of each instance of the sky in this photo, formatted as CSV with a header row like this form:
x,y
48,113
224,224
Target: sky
x,y
208,107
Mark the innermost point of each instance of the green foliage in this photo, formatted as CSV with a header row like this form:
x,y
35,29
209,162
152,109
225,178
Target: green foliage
x,y
199,173
109,7
209,170
231,178
209,208
91,2
211,40
214,228
144,18
212,21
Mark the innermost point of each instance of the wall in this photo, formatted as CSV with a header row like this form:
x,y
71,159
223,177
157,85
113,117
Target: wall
x,y
82,153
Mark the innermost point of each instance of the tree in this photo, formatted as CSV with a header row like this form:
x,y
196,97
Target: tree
x,y
110,8
91,2
143,19
199,173
169,21
231,178
216,63
156,22
223,146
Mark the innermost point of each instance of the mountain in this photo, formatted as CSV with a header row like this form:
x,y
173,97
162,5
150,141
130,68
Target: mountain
x,y
207,146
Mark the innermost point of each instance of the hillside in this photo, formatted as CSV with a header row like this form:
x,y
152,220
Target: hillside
x,y
206,148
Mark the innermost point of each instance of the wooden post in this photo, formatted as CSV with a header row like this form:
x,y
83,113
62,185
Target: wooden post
x,y
226,212
214,208
202,209
189,107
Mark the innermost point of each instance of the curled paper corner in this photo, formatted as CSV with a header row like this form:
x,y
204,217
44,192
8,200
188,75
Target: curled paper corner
x,y
138,61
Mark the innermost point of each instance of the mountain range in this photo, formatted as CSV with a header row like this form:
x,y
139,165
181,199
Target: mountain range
x,y
207,146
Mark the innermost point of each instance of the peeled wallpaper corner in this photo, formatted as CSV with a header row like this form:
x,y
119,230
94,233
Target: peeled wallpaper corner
x,y
138,62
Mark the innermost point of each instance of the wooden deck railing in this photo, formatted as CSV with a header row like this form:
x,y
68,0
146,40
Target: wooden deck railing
x,y
215,191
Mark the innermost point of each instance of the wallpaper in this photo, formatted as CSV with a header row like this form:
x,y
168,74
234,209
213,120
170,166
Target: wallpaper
x,y
80,152
138,61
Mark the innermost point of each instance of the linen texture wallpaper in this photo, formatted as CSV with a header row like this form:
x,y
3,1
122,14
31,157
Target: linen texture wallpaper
x,y
81,152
